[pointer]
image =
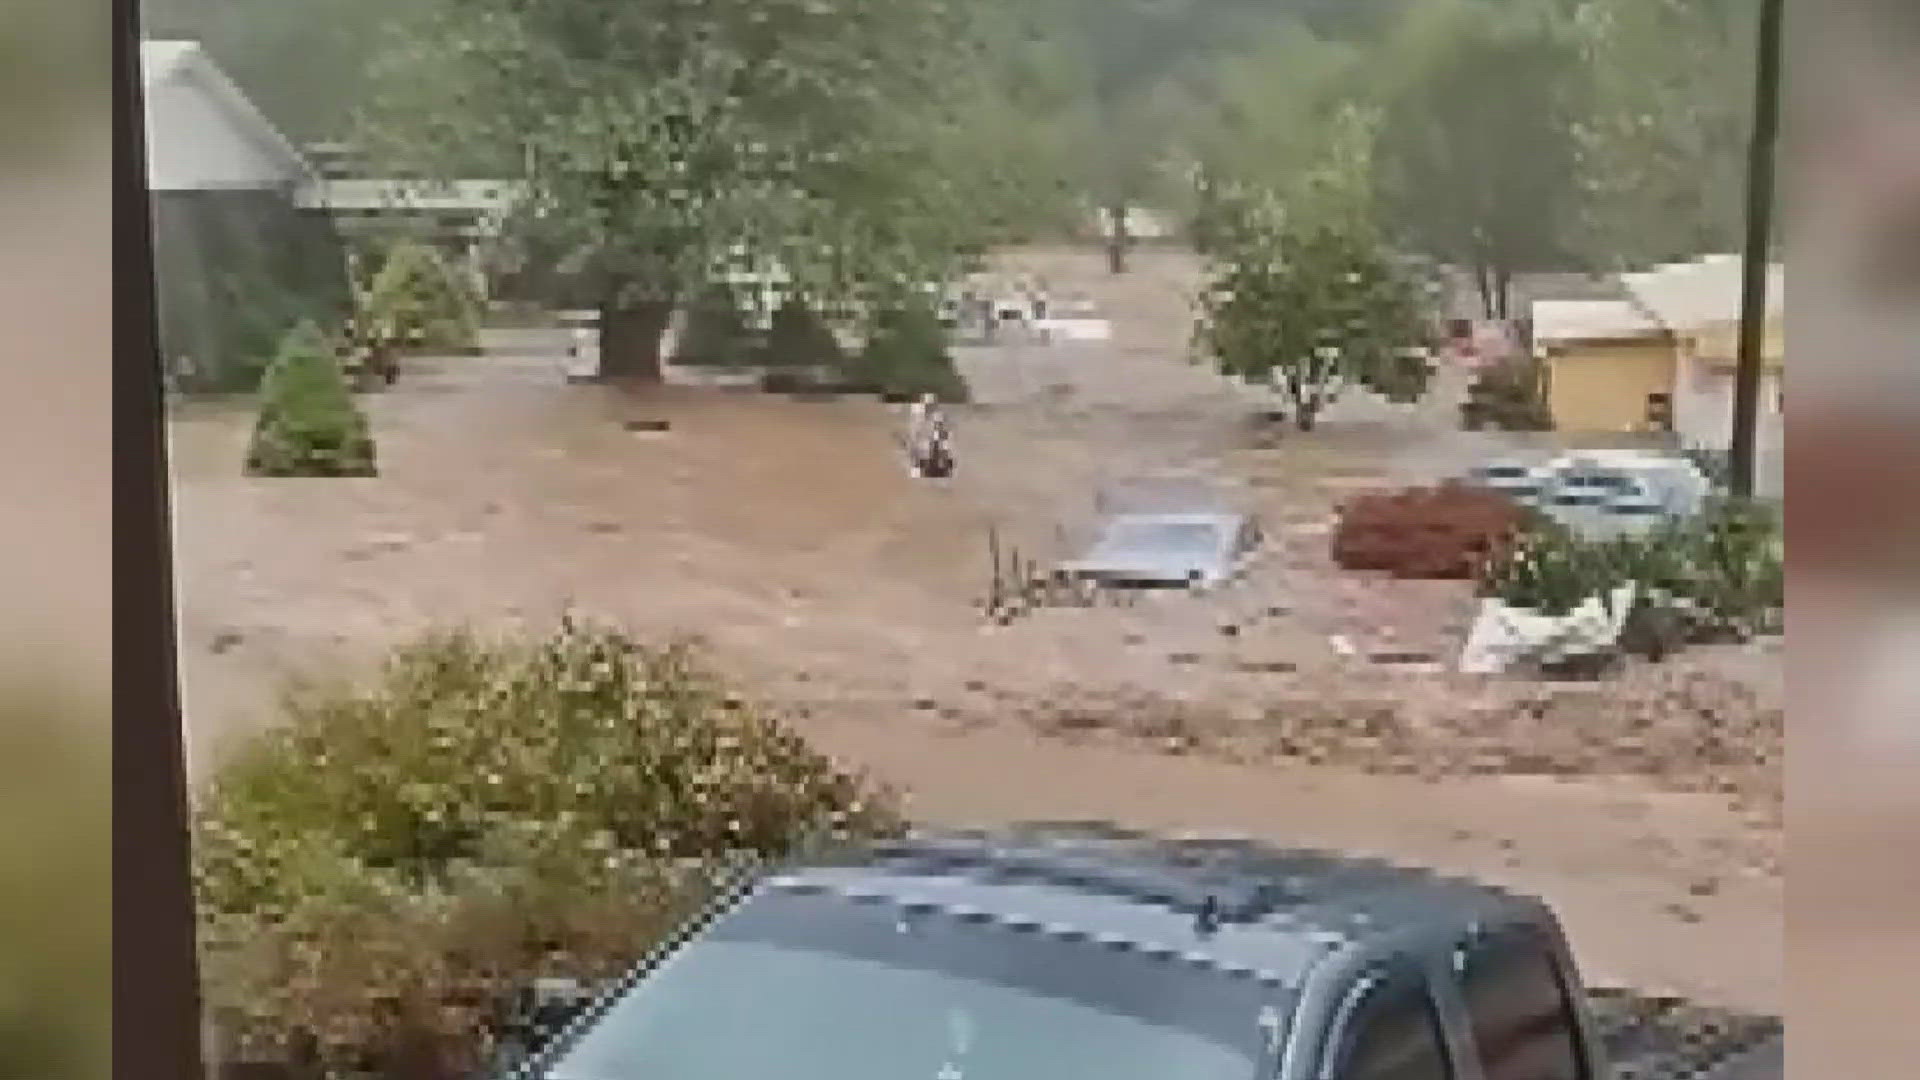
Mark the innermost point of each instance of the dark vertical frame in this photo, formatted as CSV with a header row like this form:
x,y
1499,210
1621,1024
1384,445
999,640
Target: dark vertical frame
x,y
1753,291
156,996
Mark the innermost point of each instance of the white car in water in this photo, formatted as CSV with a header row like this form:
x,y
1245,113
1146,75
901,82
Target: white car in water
x,y
1166,550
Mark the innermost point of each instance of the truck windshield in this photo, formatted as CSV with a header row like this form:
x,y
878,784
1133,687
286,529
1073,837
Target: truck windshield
x,y
819,988
741,1011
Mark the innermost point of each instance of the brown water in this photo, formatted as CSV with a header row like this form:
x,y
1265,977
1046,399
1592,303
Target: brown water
x,y
788,535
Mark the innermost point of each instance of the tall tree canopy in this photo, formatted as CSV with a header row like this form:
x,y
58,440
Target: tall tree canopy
x,y
1477,158
1662,150
667,144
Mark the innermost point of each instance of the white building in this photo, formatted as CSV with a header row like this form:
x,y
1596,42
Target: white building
x,y
237,257
1699,302
202,132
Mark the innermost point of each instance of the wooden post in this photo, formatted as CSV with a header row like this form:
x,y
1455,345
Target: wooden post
x,y
993,554
1753,293
156,985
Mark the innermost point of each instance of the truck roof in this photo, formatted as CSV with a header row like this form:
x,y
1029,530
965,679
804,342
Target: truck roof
x,y
1228,904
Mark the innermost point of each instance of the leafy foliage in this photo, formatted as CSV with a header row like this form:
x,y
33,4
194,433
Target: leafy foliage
x,y
1662,146
1305,295
906,355
309,424
1510,395
1715,576
418,299
391,859
798,336
716,333
660,138
1476,153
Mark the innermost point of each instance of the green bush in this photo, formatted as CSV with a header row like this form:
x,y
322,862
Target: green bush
x,y
418,299
1508,396
1719,575
906,355
716,332
799,337
309,423
394,858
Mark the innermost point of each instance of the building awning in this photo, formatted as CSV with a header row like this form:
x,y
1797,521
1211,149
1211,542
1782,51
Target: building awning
x,y
1719,344
1558,323
1704,293
477,197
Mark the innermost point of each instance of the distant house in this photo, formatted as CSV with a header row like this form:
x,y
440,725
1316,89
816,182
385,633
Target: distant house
x,y
1661,358
1610,365
1700,303
237,259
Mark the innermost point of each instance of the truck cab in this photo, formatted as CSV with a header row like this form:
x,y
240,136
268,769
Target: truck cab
x,y
1056,952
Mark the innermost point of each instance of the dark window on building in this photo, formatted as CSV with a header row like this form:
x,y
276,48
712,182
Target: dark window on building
x,y
1517,1004
1393,1034
1660,411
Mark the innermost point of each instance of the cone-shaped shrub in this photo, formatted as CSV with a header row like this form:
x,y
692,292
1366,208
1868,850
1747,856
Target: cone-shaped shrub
x,y
309,424
716,333
799,337
419,300
906,354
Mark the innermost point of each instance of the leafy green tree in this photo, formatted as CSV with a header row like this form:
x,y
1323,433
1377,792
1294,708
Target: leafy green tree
x,y
1139,68
309,424
1662,147
1477,160
1306,296
659,139
1272,107
303,64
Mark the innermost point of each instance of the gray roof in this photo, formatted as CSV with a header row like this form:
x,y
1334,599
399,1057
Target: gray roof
x,y
1699,294
1274,912
1591,320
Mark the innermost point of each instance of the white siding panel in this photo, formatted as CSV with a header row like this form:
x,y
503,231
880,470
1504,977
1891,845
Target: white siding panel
x,y
194,144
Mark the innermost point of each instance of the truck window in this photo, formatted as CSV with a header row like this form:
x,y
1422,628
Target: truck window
x,y
1523,1024
1394,1034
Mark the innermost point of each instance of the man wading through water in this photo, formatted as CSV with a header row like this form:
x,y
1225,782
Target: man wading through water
x,y
928,442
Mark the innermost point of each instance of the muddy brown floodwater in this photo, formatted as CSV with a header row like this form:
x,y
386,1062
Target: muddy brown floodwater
x,y
787,535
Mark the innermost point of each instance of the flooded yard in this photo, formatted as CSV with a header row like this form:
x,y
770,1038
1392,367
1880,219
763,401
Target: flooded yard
x,y
787,535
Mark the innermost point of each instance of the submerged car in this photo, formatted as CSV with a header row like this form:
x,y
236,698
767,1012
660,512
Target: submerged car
x,y
1519,481
1059,952
1601,492
1166,550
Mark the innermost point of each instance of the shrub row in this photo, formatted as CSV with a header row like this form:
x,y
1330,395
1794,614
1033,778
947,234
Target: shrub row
x,y
905,355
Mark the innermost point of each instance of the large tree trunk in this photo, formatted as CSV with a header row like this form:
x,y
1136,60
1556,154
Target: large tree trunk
x,y
1483,282
1117,238
630,340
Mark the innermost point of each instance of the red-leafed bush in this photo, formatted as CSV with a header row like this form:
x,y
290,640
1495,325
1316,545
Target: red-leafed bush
x,y
1436,532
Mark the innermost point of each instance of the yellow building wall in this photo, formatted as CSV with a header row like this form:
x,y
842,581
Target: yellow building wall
x,y
1605,387
1722,342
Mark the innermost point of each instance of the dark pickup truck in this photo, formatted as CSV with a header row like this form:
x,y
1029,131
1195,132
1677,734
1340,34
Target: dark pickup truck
x,y
1061,952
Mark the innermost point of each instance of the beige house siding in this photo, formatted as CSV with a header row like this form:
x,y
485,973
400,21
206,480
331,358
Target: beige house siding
x,y
1603,387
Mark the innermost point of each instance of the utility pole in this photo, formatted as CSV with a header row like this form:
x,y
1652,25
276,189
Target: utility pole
x,y
1753,293
156,996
